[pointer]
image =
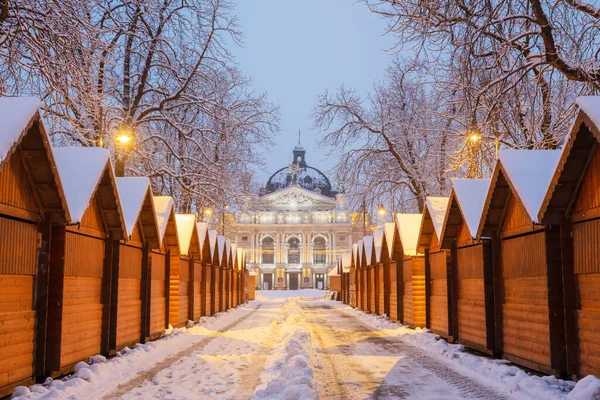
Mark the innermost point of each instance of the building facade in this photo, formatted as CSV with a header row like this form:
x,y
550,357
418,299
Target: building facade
x,y
295,228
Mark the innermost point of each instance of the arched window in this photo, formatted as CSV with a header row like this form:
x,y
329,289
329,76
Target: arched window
x,y
294,251
319,249
268,250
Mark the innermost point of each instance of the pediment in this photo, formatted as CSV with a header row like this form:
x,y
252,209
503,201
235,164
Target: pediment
x,y
294,198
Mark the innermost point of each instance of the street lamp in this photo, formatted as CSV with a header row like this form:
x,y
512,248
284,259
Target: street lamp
x,y
124,138
474,136
207,213
381,210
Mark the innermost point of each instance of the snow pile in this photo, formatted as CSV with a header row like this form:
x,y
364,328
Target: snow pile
x,y
471,195
288,373
508,378
278,295
530,173
80,170
15,113
586,389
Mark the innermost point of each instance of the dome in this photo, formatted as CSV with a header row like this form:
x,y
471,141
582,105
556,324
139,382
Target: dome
x,y
301,174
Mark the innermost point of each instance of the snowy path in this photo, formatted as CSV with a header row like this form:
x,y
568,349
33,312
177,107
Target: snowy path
x,y
358,362
279,347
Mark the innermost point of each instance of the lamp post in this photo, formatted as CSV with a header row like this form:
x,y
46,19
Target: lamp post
x,y
208,212
124,139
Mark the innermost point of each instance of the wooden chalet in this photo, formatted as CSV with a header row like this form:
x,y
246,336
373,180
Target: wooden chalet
x,y
354,277
251,287
345,262
183,275
413,271
205,277
383,242
368,262
32,205
228,292
214,272
472,265
573,202
84,257
220,267
362,277
438,268
393,262
130,285
529,317
235,276
160,266
380,284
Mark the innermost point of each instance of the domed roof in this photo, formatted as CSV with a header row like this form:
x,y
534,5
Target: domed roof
x,y
301,174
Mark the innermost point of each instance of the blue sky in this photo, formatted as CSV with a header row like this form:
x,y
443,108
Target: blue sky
x,y
294,50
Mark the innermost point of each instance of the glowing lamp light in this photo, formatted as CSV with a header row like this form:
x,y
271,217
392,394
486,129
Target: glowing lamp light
x,y
208,212
124,137
381,210
475,137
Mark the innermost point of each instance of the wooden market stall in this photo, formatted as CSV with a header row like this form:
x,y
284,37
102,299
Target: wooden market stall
x,y
160,267
529,316
354,277
130,285
84,257
472,265
220,274
362,277
32,205
395,275
202,274
383,241
214,272
413,271
368,262
573,202
228,273
235,276
182,272
438,268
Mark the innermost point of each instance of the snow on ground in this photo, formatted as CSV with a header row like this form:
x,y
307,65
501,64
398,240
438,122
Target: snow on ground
x,y
295,344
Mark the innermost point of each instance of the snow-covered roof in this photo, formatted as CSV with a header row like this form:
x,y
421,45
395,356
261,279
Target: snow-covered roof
x,y
228,248
333,272
471,195
409,226
530,173
80,170
360,251
201,229
590,105
346,260
368,243
132,192
355,253
389,229
212,241
240,256
221,244
185,230
163,206
378,241
437,207
15,113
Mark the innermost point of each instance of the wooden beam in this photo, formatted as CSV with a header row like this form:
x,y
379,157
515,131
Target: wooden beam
x,y
569,287
42,281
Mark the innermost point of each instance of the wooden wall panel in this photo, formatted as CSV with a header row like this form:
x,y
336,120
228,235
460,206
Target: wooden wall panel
x,y
371,291
129,312
17,322
92,218
524,256
407,292
363,290
525,326
217,294
393,293
588,322
82,319
589,195
158,266
471,311
18,247
130,262
379,269
208,272
418,291
586,237
15,189
84,256
470,262
197,289
516,217
438,296
158,301
464,236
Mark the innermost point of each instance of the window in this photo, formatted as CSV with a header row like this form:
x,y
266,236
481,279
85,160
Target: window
x,y
268,250
244,238
319,251
294,251
342,238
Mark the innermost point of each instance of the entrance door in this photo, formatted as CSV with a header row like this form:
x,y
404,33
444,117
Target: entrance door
x,y
294,278
267,281
320,281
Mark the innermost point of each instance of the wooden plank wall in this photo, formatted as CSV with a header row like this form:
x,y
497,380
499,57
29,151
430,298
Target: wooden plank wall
x,y
363,290
251,287
438,294
197,287
394,292
129,311
183,293
208,273
471,296
407,283
525,327
380,282
158,300
15,189
414,292
217,294
372,289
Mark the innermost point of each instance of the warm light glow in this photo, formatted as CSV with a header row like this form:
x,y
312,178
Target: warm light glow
x,y
124,136
475,137
381,210
208,212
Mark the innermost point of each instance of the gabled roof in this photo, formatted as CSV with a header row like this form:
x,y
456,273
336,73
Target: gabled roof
x,y
360,252
212,240
432,222
22,128
378,242
466,203
185,230
346,261
17,115
137,206
355,254
221,246
240,257
80,170
408,229
368,244
228,252
529,173
389,230
163,205
575,157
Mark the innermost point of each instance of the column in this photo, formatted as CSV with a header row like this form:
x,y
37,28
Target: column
x,y
333,254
